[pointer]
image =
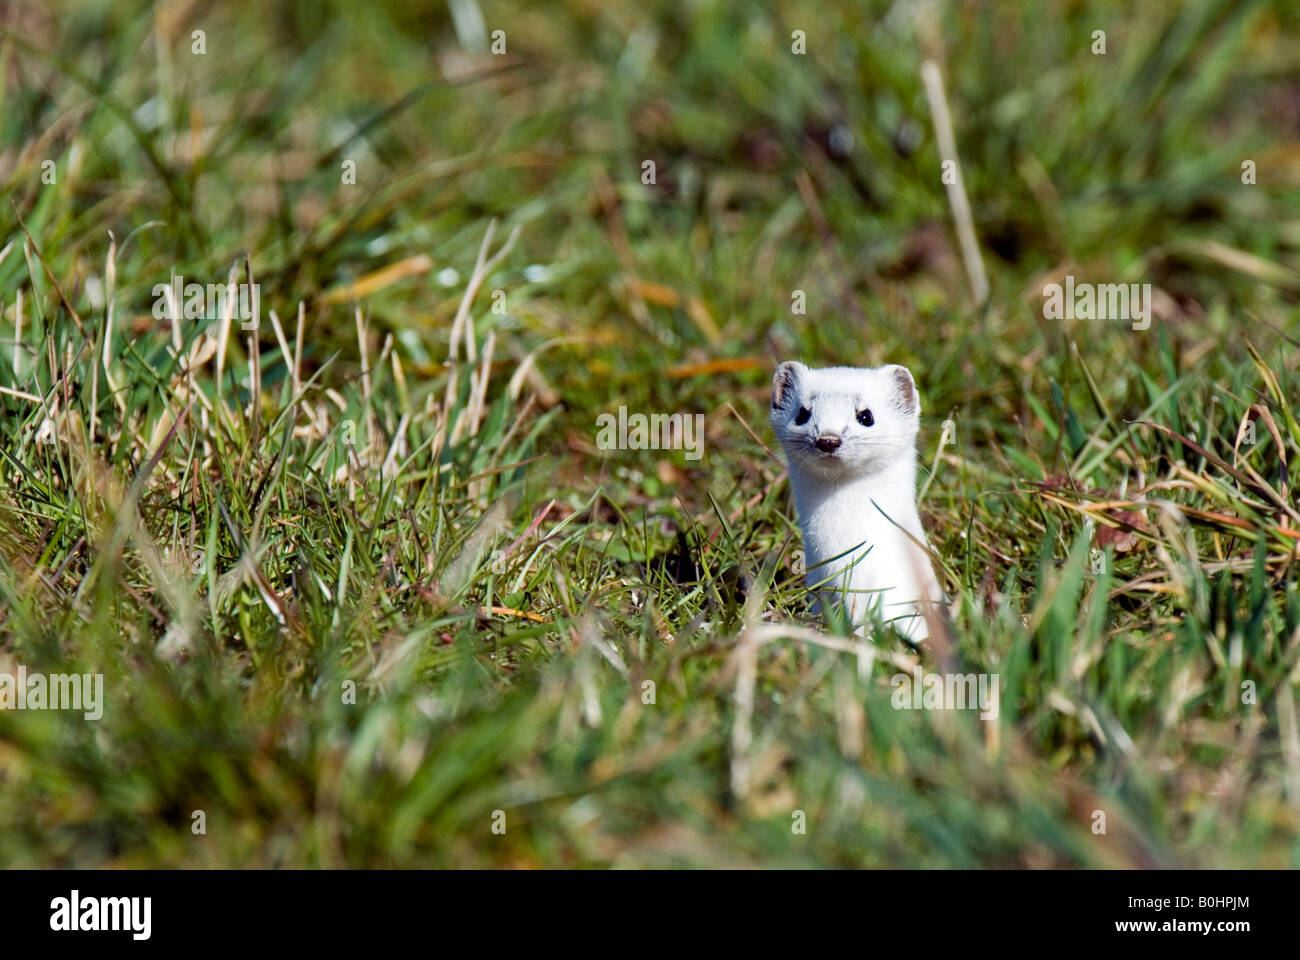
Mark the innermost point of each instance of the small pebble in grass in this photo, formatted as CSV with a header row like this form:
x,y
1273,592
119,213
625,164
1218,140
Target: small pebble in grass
x,y
841,140
95,292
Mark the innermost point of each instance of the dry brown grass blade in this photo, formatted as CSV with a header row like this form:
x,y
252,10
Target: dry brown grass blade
x,y
723,365
1258,485
379,279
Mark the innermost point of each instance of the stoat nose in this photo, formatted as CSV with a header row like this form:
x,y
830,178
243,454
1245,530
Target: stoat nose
x,y
828,444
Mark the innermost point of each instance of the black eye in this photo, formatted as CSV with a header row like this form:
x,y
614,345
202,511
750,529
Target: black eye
x,y
802,416
865,418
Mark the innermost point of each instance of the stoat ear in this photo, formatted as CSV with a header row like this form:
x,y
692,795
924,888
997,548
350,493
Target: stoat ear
x,y
903,389
784,382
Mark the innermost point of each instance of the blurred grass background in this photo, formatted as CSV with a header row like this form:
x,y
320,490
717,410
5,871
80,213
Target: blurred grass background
x,y
233,529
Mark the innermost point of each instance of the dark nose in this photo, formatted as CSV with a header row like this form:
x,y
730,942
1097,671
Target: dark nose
x,y
828,444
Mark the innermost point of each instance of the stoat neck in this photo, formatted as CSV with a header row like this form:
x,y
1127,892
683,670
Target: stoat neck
x,y
892,487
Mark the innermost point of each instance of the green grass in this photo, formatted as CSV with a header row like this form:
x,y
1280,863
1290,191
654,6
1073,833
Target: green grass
x,y
234,552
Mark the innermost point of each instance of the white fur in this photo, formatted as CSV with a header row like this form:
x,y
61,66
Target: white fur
x,y
858,503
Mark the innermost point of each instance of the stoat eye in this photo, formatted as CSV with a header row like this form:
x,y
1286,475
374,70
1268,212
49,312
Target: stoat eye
x,y
802,416
865,418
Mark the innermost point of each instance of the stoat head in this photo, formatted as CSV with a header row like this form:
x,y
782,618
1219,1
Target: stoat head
x,y
841,422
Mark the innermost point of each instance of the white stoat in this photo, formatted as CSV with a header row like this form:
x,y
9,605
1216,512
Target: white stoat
x,y
849,436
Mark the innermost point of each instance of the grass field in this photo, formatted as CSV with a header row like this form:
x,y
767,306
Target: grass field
x,y
365,591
